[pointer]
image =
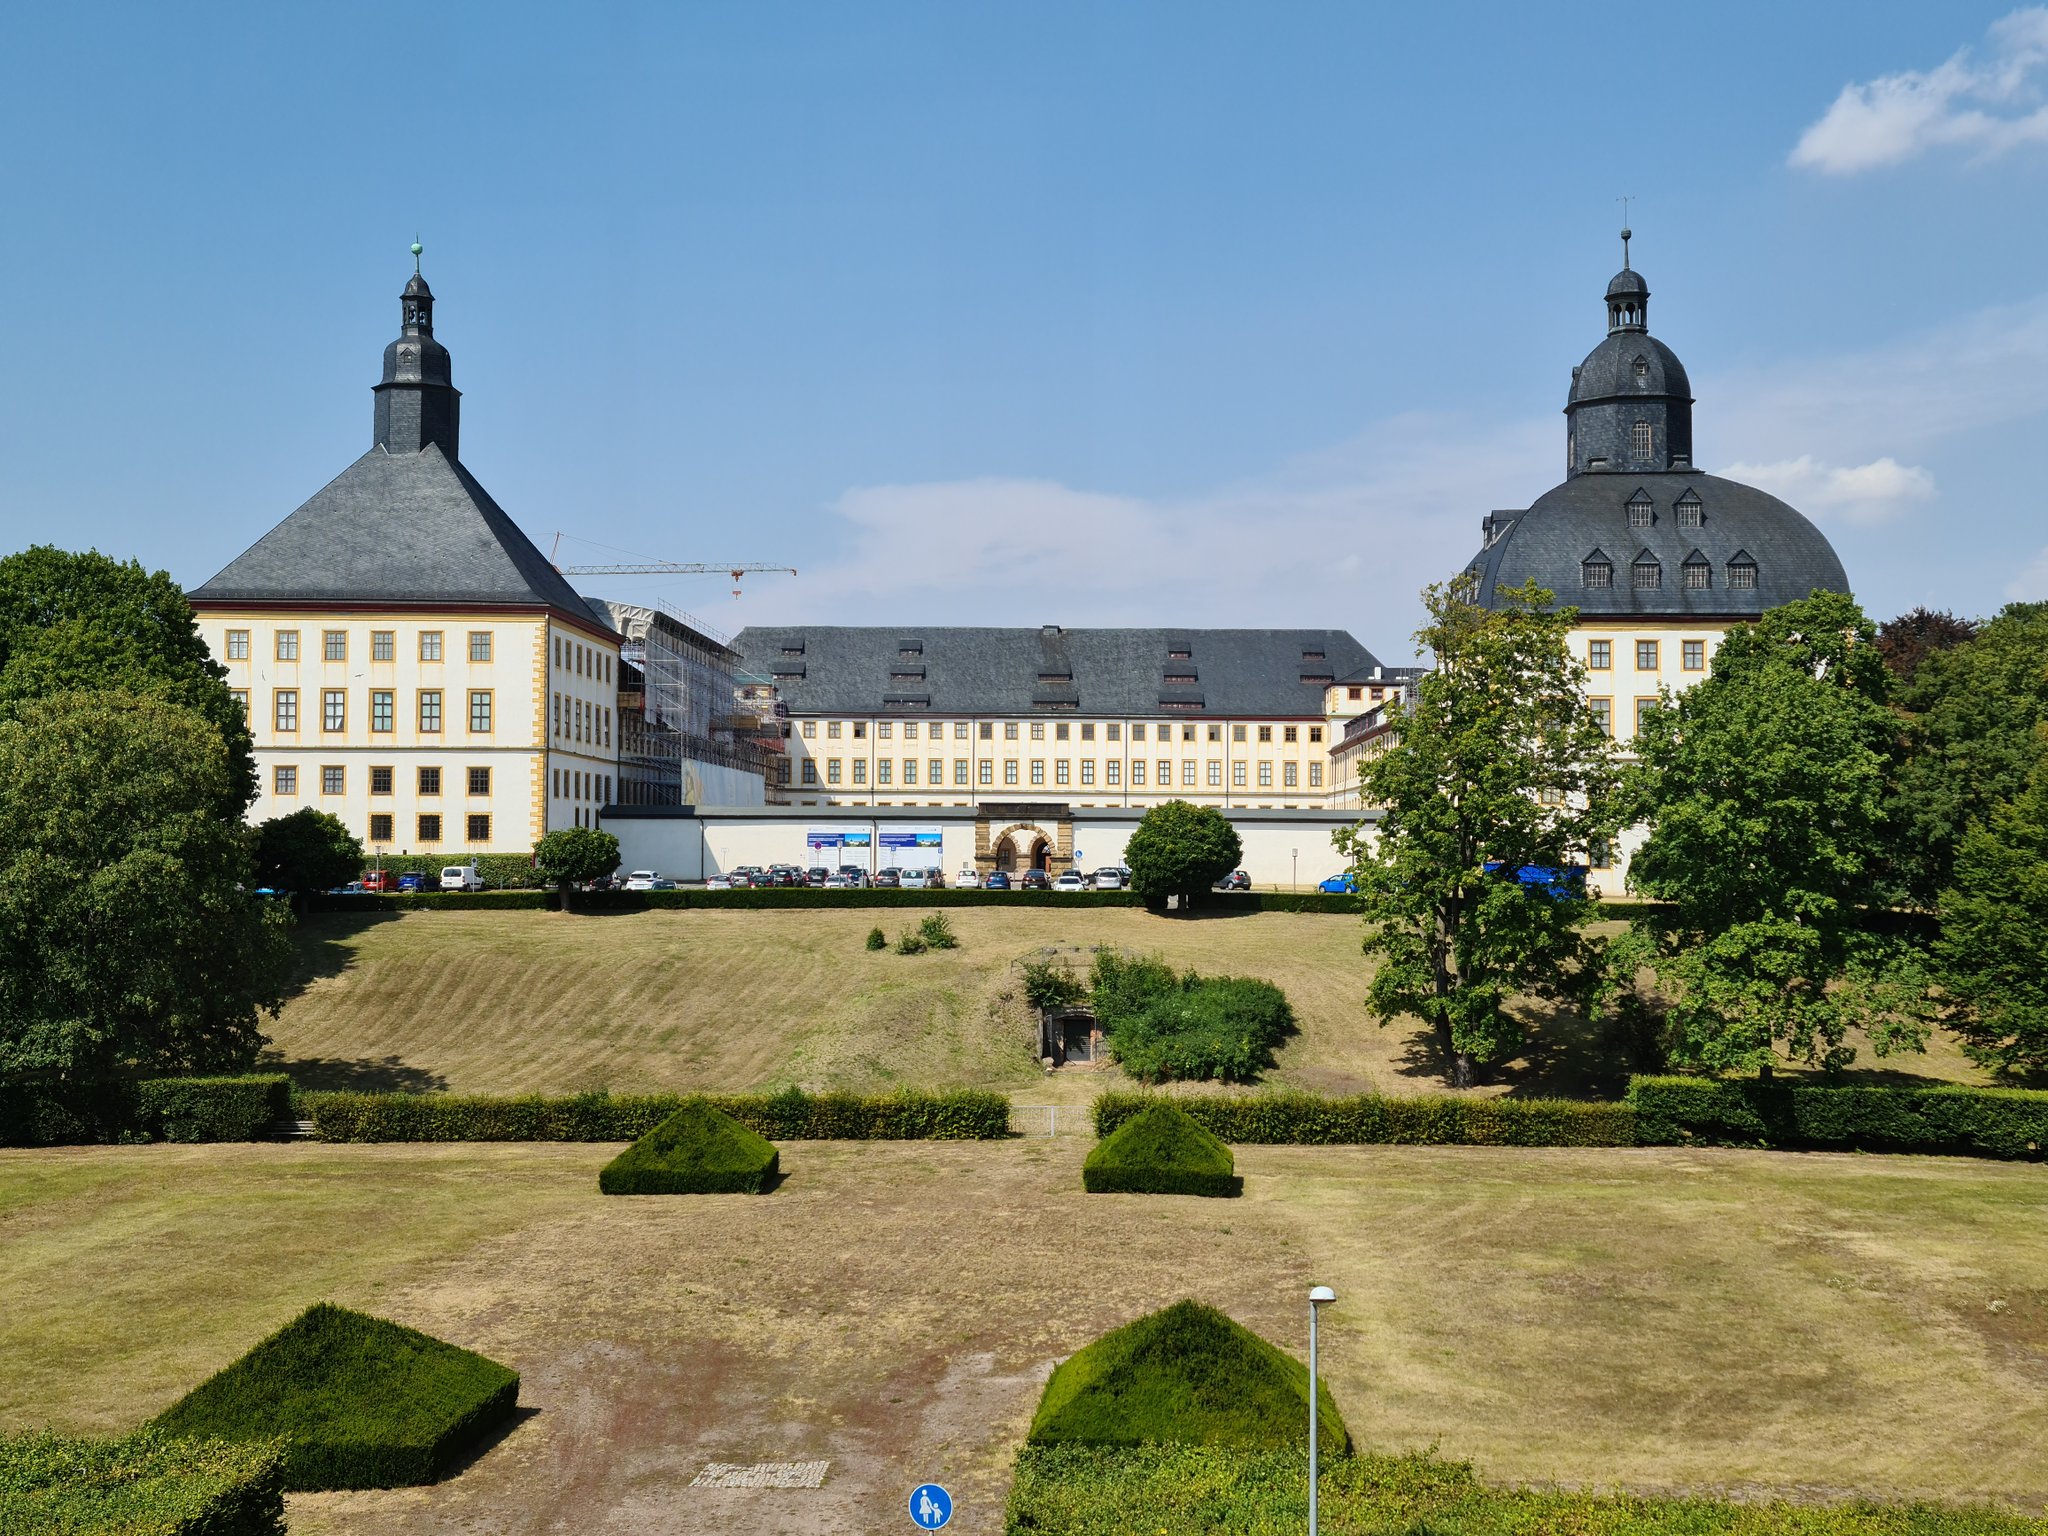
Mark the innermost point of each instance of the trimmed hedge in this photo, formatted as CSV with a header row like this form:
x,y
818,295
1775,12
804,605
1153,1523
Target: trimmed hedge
x,y
360,1402
695,1151
1968,1122
1303,1119
1160,1151
42,1114
144,1484
793,1115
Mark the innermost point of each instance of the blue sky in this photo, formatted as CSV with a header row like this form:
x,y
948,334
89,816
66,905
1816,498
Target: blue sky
x,y
1099,313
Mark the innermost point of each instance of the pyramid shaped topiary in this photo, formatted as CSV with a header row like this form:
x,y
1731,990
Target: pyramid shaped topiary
x,y
697,1150
1161,1151
1186,1376
360,1402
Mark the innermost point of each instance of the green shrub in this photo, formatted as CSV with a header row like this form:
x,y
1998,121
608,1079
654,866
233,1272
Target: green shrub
x,y
792,1115
1049,984
144,1484
1085,1490
1162,1025
37,1112
1303,1119
937,932
877,939
212,1108
910,942
695,1151
360,1402
1187,1375
1122,987
1969,1122
1160,1151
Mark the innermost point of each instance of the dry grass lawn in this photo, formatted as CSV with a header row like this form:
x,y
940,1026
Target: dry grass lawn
x,y
1816,1325
491,1002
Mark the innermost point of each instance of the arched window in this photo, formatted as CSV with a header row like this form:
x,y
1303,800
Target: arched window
x,y
1596,572
1641,510
1698,574
1647,574
1639,440
1742,572
1690,513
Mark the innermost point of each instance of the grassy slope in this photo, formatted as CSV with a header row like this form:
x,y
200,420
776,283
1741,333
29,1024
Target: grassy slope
x,y
1815,1324
530,1001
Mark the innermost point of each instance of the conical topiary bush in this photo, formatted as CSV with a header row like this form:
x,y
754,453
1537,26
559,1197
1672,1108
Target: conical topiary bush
x,y
697,1150
1161,1151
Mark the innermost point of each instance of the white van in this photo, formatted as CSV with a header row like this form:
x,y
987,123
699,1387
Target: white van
x,y
461,877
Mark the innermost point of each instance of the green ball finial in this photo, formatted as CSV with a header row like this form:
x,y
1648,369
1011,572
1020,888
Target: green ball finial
x,y
417,248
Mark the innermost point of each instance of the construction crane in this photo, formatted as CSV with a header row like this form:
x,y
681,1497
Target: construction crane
x,y
666,568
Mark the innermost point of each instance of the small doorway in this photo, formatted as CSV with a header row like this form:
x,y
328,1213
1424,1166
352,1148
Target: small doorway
x,y
1041,854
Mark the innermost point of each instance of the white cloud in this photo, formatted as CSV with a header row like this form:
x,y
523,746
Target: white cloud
x,y
1987,105
2031,585
1878,492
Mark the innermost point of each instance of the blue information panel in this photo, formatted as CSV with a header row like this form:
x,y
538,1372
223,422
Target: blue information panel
x,y
930,1506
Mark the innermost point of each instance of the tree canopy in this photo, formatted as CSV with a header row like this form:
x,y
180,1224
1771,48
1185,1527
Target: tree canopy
x,y
1499,765
84,621
1181,850
1992,956
308,850
129,936
569,855
1908,640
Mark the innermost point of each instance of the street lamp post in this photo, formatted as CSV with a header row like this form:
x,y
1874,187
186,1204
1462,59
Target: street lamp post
x,y
1295,883
1318,1298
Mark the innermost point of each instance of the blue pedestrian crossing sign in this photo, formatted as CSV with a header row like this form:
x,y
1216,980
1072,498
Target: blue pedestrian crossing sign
x,y
930,1506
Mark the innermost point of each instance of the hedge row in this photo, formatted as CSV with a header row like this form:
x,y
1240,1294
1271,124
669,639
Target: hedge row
x,y
144,1484
1969,1122
793,1115
758,897
38,1114
499,871
1305,1119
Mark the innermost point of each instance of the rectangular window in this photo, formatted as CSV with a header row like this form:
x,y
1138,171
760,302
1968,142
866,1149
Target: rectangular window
x,y
884,731
831,730
1138,732
832,770
1599,654
380,827
1603,715
477,827
1265,775
1237,775
1187,733
333,709
1315,775
985,771
480,711
430,645
960,734
1600,853
1695,654
810,730
1137,773
241,697
860,770
287,645
1038,730
430,827
1699,576
380,781
430,781
885,770
480,650
1060,770
1639,439
479,781
1643,709
1315,733
909,770
1111,732
988,730
1215,733
1290,733
1290,775
1038,770
1742,577
1088,732
430,709
1354,694
1646,655
333,780
284,779
286,705
935,771
1009,730
1265,733
910,730
860,730
1648,575
1088,771
238,645
380,709
1215,774
1237,733
1187,773
810,773
334,645
383,645
960,769
1112,772
1010,770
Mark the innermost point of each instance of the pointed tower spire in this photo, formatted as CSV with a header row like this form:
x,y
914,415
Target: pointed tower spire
x,y
417,401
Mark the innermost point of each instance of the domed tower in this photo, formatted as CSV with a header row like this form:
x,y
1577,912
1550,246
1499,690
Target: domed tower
x,y
1630,409
417,401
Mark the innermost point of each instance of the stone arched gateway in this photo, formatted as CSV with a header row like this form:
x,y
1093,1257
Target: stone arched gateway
x,y
1017,838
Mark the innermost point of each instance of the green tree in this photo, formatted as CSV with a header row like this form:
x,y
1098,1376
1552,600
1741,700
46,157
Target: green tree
x,y
1763,787
129,936
1181,850
86,622
308,850
1972,714
571,855
1499,764
1994,933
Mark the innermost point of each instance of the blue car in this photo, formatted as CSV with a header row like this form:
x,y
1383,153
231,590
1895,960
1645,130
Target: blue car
x,y
997,881
1339,885
1559,884
409,882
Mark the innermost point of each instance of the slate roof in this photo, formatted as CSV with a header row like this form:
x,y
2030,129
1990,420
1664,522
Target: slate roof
x,y
1609,371
914,669
1589,512
398,528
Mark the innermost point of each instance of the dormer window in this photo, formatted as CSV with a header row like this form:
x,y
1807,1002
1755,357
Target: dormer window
x,y
1742,572
1642,368
1690,513
1596,572
1639,440
1641,510
1647,574
1699,575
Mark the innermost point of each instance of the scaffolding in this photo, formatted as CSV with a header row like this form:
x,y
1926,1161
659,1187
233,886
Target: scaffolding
x,y
688,711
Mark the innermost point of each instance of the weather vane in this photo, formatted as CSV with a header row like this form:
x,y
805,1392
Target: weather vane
x,y
416,249
1626,232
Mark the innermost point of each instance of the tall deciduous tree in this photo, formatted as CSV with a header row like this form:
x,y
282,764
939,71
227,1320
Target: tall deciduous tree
x,y
1763,787
1992,956
1499,765
572,854
86,622
1908,640
308,850
129,936
1181,850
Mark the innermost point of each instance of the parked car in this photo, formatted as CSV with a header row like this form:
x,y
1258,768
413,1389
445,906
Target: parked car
x,y
662,884
857,873
741,879
916,879
997,881
840,880
1036,880
380,880
410,882
1558,884
1339,885
1071,880
640,880
1236,880
718,883
887,879
1107,880
969,878
818,874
